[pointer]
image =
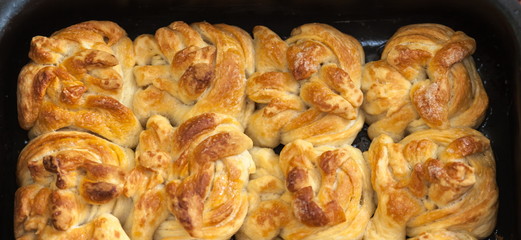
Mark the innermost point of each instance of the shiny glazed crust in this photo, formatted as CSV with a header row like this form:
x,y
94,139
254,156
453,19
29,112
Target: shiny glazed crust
x,y
80,78
432,183
216,103
307,87
190,181
425,79
69,181
186,70
309,193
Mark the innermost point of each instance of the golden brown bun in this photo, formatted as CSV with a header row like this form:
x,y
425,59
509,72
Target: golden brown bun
x,y
190,181
307,87
80,78
186,70
425,79
69,181
209,93
433,180
310,193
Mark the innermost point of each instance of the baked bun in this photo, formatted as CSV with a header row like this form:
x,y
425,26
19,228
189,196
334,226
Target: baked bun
x,y
190,181
309,193
70,186
209,93
307,87
80,78
426,78
432,183
187,70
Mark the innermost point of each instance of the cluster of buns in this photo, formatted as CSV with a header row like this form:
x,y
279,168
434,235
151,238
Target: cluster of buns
x,y
202,131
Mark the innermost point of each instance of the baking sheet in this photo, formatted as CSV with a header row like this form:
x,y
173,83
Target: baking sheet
x,y
494,24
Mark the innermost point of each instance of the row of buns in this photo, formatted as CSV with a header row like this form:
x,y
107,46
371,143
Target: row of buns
x,y
176,135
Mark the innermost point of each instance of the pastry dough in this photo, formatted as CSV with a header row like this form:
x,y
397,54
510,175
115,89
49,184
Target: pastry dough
x,y
70,183
307,87
80,78
312,193
190,181
209,93
105,226
268,212
443,235
425,79
186,70
431,183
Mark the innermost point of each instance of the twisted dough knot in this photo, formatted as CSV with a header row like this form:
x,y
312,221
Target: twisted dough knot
x,y
190,181
80,77
68,180
433,183
186,70
307,87
425,79
321,192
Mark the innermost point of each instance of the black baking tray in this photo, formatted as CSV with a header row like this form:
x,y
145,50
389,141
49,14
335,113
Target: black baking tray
x,y
496,26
